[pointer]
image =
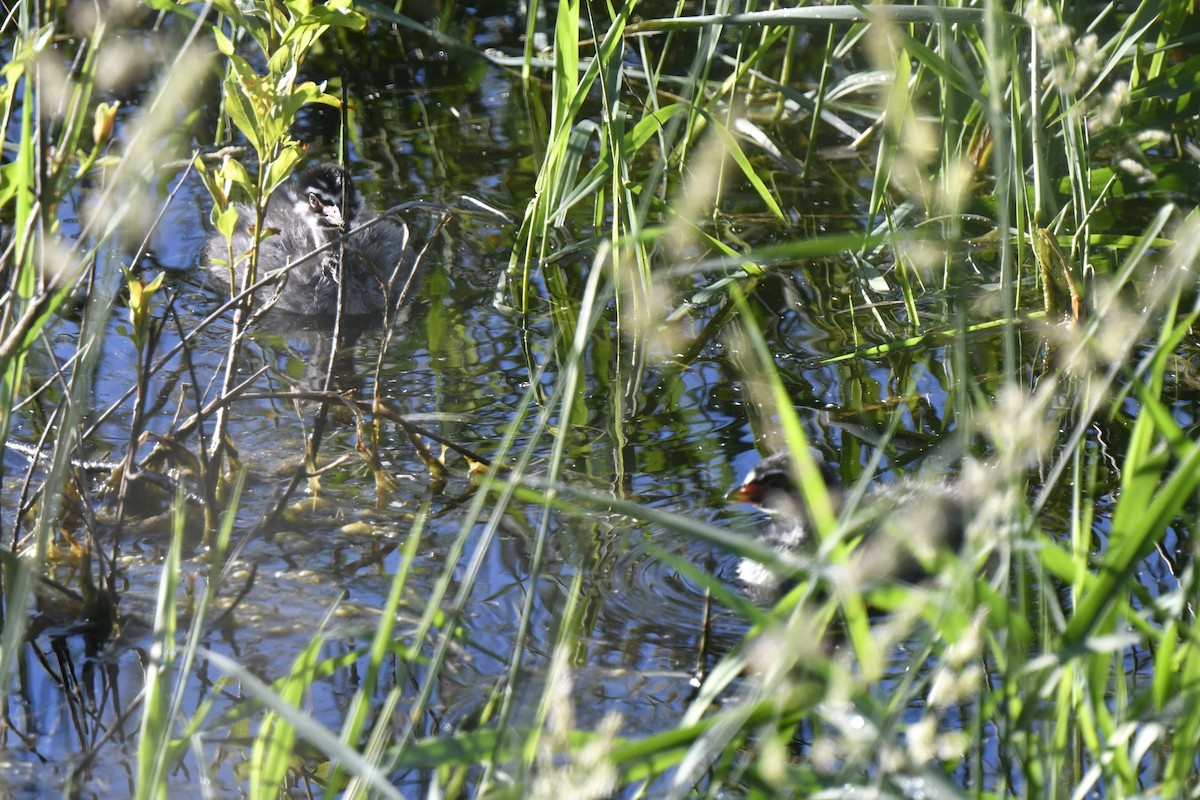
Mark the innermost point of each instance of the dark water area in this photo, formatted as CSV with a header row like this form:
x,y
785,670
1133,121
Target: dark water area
x,y
439,125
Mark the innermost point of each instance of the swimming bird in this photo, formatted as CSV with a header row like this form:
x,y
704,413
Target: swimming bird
x,y
320,208
903,526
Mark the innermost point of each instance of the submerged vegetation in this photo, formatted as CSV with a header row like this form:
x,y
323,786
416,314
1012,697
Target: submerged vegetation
x,y
998,290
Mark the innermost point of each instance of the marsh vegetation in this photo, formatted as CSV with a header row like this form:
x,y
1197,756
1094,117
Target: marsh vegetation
x,y
482,546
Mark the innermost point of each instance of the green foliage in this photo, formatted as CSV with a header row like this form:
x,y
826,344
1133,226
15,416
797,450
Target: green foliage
x,y
1015,160
156,751
263,107
965,122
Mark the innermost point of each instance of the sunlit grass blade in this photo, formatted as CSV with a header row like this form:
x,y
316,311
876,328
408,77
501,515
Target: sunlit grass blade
x,y
381,647
155,750
305,727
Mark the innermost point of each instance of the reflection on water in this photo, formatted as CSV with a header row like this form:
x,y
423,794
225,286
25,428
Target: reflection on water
x,y
461,365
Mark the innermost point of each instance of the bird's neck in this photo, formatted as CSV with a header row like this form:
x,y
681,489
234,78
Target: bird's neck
x,y
321,235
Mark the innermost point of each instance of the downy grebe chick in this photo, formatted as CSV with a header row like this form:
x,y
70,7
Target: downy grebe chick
x,y
903,526
320,206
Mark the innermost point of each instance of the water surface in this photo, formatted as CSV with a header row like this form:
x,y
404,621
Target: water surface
x,y
439,127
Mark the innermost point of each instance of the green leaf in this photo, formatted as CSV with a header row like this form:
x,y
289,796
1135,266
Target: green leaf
x,y
281,168
240,109
223,43
227,221
739,158
282,61
330,16
305,93
233,172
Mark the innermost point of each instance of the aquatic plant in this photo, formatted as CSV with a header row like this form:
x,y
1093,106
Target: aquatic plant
x,y
1028,183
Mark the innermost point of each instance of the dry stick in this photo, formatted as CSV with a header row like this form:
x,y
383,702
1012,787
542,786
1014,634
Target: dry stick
x,y
28,498
309,470
207,486
242,325
224,307
358,407
166,359
215,157
313,445
431,463
164,444
59,374
141,386
215,404
394,307
186,341
243,316
362,407
85,759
